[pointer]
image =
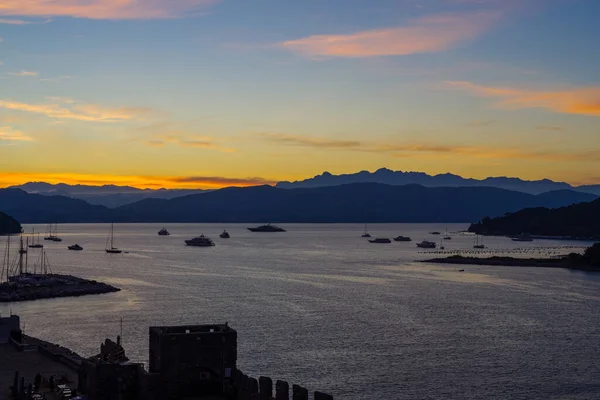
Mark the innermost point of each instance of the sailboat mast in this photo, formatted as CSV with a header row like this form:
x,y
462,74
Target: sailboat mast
x,y
112,235
21,252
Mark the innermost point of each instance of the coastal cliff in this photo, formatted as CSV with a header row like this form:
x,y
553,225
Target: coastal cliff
x,y
9,225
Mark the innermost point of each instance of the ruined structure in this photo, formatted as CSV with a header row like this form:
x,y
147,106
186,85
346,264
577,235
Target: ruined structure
x,y
185,362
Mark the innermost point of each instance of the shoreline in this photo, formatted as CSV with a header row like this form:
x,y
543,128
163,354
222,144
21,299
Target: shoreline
x,y
513,262
48,286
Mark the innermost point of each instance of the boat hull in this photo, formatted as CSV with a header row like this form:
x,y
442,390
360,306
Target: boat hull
x,y
113,251
266,230
199,244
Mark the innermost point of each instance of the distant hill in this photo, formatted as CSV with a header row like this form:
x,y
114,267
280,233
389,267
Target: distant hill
x,y
106,195
35,208
8,225
359,202
390,177
578,220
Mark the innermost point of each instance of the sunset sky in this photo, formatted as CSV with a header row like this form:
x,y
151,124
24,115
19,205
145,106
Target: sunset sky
x,y
211,93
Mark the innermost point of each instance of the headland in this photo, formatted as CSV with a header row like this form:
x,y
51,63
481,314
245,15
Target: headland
x,y
28,286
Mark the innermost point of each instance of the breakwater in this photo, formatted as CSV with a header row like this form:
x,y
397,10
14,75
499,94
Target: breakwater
x,y
43,286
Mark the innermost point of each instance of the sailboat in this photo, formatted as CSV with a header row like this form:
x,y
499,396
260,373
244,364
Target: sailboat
x,y
447,237
112,249
366,234
477,244
35,245
53,236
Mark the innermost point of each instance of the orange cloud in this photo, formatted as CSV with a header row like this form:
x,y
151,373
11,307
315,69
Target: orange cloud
x,y
23,73
582,101
428,150
63,109
142,182
424,35
9,134
104,9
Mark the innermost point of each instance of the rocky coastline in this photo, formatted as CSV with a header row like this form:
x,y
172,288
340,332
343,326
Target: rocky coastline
x,y
34,287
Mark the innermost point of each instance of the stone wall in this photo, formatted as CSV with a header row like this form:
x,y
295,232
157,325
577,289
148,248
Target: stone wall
x,y
248,388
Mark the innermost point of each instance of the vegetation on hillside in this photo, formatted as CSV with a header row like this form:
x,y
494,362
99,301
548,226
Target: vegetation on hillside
x,y
578,221
8,225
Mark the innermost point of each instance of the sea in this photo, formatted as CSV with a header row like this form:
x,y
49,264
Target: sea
x,y
322,307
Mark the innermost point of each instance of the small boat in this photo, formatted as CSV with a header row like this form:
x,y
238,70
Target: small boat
x,y
426,244
478,245
163,232
447,237
366,234
224,235
267,228
435,233
53,236
34,245
461,270
402,239
75,247
380,240
522,238
111,236
200,241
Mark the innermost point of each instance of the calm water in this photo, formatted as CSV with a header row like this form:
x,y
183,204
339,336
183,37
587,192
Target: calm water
x,y
322,307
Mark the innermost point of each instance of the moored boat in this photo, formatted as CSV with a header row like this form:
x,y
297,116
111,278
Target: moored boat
x,y
267,228
426,244
522,238
200,241
380,240
163,232
224,235
402,239
75,247
111,237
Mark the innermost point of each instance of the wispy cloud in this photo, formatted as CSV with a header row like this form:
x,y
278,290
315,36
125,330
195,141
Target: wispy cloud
x,y
104,9
481,123
8,134
425,35
24,73
61,109
14,21
56,79
187,140
550,128
434,150
582,101
21,21
165,133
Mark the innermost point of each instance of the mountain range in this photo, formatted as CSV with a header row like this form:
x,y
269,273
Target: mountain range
x,y
389,177
113,196
358,202
106,195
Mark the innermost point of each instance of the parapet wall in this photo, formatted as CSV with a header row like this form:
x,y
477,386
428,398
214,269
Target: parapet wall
x,y
248,388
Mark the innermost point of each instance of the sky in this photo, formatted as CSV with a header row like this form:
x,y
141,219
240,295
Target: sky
x,y
214,93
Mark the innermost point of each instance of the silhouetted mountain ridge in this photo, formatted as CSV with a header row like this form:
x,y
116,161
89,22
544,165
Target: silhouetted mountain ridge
x,y
106,195
387,176
36,208
359,202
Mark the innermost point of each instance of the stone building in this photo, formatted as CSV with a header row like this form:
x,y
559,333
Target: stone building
x,y
187,360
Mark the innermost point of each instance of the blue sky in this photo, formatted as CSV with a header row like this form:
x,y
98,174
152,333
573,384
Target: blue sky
x,y
253,92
